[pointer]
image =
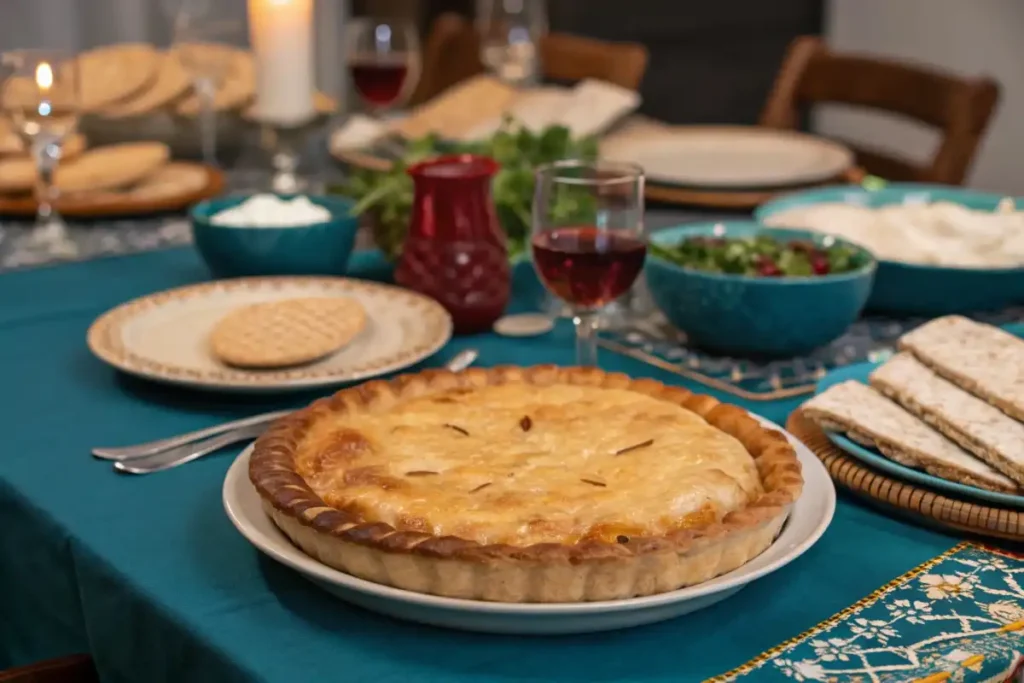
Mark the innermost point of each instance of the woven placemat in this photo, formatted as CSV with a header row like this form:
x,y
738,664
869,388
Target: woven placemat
x,y
910,500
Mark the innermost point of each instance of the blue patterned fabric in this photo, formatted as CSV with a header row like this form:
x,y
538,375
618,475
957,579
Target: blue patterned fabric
x,y
958,617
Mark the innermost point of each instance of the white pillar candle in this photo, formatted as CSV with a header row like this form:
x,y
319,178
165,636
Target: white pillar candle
x,y
281,32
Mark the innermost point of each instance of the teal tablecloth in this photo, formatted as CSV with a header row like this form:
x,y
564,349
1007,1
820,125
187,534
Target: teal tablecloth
x,y
148,574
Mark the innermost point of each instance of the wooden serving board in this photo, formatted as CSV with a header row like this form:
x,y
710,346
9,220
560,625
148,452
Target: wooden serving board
x,y
113,204
915,502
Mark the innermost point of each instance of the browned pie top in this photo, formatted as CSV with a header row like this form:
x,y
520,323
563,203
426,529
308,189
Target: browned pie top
x,y
521,464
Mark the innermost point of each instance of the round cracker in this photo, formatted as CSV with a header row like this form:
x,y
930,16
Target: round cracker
x,y
102,168
115,72
105,168
236,88
279,334
17,174
170,83
175,179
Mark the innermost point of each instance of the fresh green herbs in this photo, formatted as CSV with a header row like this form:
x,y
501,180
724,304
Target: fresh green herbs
x,y
761,255
387,196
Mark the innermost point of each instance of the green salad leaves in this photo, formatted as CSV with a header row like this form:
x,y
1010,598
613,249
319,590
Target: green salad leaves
x,y
388,196
760,255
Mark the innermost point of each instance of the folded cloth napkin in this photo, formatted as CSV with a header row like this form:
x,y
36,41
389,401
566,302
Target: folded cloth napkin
x,y
957,617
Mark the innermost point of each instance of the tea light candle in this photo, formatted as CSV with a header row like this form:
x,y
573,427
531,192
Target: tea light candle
x,y
281,32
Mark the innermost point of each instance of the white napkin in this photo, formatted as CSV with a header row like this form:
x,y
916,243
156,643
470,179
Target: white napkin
x,y
358,132
589,108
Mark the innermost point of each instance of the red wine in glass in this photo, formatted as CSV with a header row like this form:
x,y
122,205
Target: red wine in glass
x,y
586,266
379,81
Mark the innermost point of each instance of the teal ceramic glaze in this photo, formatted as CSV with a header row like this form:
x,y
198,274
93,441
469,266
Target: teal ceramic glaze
x,y
878,461
317,249
755,316
909,289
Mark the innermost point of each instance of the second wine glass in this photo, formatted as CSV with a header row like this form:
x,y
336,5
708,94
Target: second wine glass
x,y
510,35
206,33
588,238
384,61
41,97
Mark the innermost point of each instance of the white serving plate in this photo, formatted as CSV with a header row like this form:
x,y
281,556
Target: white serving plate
x,y
164,336
808,519
729,157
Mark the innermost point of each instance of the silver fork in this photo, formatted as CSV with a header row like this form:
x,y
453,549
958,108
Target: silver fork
x,y
150,448
460,361
226,434
189,452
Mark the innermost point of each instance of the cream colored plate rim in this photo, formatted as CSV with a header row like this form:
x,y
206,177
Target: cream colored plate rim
x,y
809,517
105,339
826,159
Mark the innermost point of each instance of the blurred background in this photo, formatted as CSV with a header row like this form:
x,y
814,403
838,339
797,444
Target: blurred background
x,y
710,62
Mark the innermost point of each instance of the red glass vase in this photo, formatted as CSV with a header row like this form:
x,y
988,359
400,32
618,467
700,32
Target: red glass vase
x,y
455,249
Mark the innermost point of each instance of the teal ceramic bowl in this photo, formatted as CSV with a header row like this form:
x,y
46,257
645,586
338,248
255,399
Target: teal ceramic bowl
x,y
316,249
910,289
747,316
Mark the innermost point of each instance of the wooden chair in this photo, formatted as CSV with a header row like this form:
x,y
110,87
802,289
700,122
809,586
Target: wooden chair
x,y
73,669
451,53
959,107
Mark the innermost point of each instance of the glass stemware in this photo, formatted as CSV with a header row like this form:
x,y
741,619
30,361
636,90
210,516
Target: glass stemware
x,y
204,33
41,98
510,33
588,238
383,58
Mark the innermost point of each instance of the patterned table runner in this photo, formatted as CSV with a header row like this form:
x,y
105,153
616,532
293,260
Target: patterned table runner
x,y
957,617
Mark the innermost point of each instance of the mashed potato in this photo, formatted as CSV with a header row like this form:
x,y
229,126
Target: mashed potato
x,y
940,234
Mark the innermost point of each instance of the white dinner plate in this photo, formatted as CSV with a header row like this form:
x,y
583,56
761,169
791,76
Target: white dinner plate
x,y
164,336
730,157
808,519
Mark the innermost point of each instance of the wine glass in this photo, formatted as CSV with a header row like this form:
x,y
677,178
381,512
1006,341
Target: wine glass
x,y
588,238
384,60
510,33
41,98
204,31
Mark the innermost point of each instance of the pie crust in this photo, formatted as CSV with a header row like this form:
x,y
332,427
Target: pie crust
x,y
381,526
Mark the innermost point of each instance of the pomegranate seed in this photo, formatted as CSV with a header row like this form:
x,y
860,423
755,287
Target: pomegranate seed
x,y
767,267
820,265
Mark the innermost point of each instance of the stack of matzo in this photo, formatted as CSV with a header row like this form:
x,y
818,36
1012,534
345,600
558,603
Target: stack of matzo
x,y
950,403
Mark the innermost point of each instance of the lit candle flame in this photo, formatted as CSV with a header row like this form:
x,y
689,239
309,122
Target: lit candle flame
x,y
44,76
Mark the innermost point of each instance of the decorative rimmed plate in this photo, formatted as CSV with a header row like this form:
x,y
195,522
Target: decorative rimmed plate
x,y
731,156
876,460
808,519
164,336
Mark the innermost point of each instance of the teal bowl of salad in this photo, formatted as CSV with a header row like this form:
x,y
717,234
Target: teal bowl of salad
x,y
741,289
941,249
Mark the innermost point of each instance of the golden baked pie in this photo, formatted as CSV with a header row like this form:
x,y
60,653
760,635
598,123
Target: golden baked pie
x,y
526,484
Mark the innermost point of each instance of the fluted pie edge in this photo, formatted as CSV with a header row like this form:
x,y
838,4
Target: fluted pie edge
x,y
548,572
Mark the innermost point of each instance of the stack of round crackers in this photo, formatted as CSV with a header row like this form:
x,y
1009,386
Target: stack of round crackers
x,y
131,80
137,171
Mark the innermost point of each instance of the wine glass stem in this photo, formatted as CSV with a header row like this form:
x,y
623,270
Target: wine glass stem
x,y
47,158
50,230
208,120
586,338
